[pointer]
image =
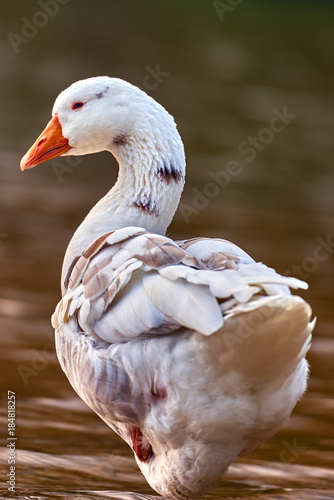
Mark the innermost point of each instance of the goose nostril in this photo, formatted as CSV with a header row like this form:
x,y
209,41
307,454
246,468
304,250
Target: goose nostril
x,y
41,141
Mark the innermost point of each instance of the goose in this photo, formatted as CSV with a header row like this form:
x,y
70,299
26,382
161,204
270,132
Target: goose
x,y
190,350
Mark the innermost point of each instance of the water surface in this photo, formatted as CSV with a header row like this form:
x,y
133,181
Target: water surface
x,y
225,78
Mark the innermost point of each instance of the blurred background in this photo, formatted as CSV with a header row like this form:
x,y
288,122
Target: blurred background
x,y
223,69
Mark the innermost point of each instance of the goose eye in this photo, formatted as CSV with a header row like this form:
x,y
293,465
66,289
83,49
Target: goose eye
x,y
77,105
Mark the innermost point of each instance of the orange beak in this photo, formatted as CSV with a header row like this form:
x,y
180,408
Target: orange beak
x,y
50,144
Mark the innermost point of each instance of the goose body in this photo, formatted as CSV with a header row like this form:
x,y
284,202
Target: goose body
x,y
190,350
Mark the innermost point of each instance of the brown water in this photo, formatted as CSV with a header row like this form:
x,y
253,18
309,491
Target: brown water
x,y
225,78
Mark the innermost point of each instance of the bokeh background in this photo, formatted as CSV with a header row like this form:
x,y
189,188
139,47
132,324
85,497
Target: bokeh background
x,y
221,68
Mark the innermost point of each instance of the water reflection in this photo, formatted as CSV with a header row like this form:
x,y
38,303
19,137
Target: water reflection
x,y
224,80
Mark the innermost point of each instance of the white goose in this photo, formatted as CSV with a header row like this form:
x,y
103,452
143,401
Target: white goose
x,y
191,351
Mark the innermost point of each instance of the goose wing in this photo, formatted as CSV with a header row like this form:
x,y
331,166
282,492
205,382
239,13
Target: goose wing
x,y
129,286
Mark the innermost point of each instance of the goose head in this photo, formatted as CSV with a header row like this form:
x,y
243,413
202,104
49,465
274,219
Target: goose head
x,y
103,113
